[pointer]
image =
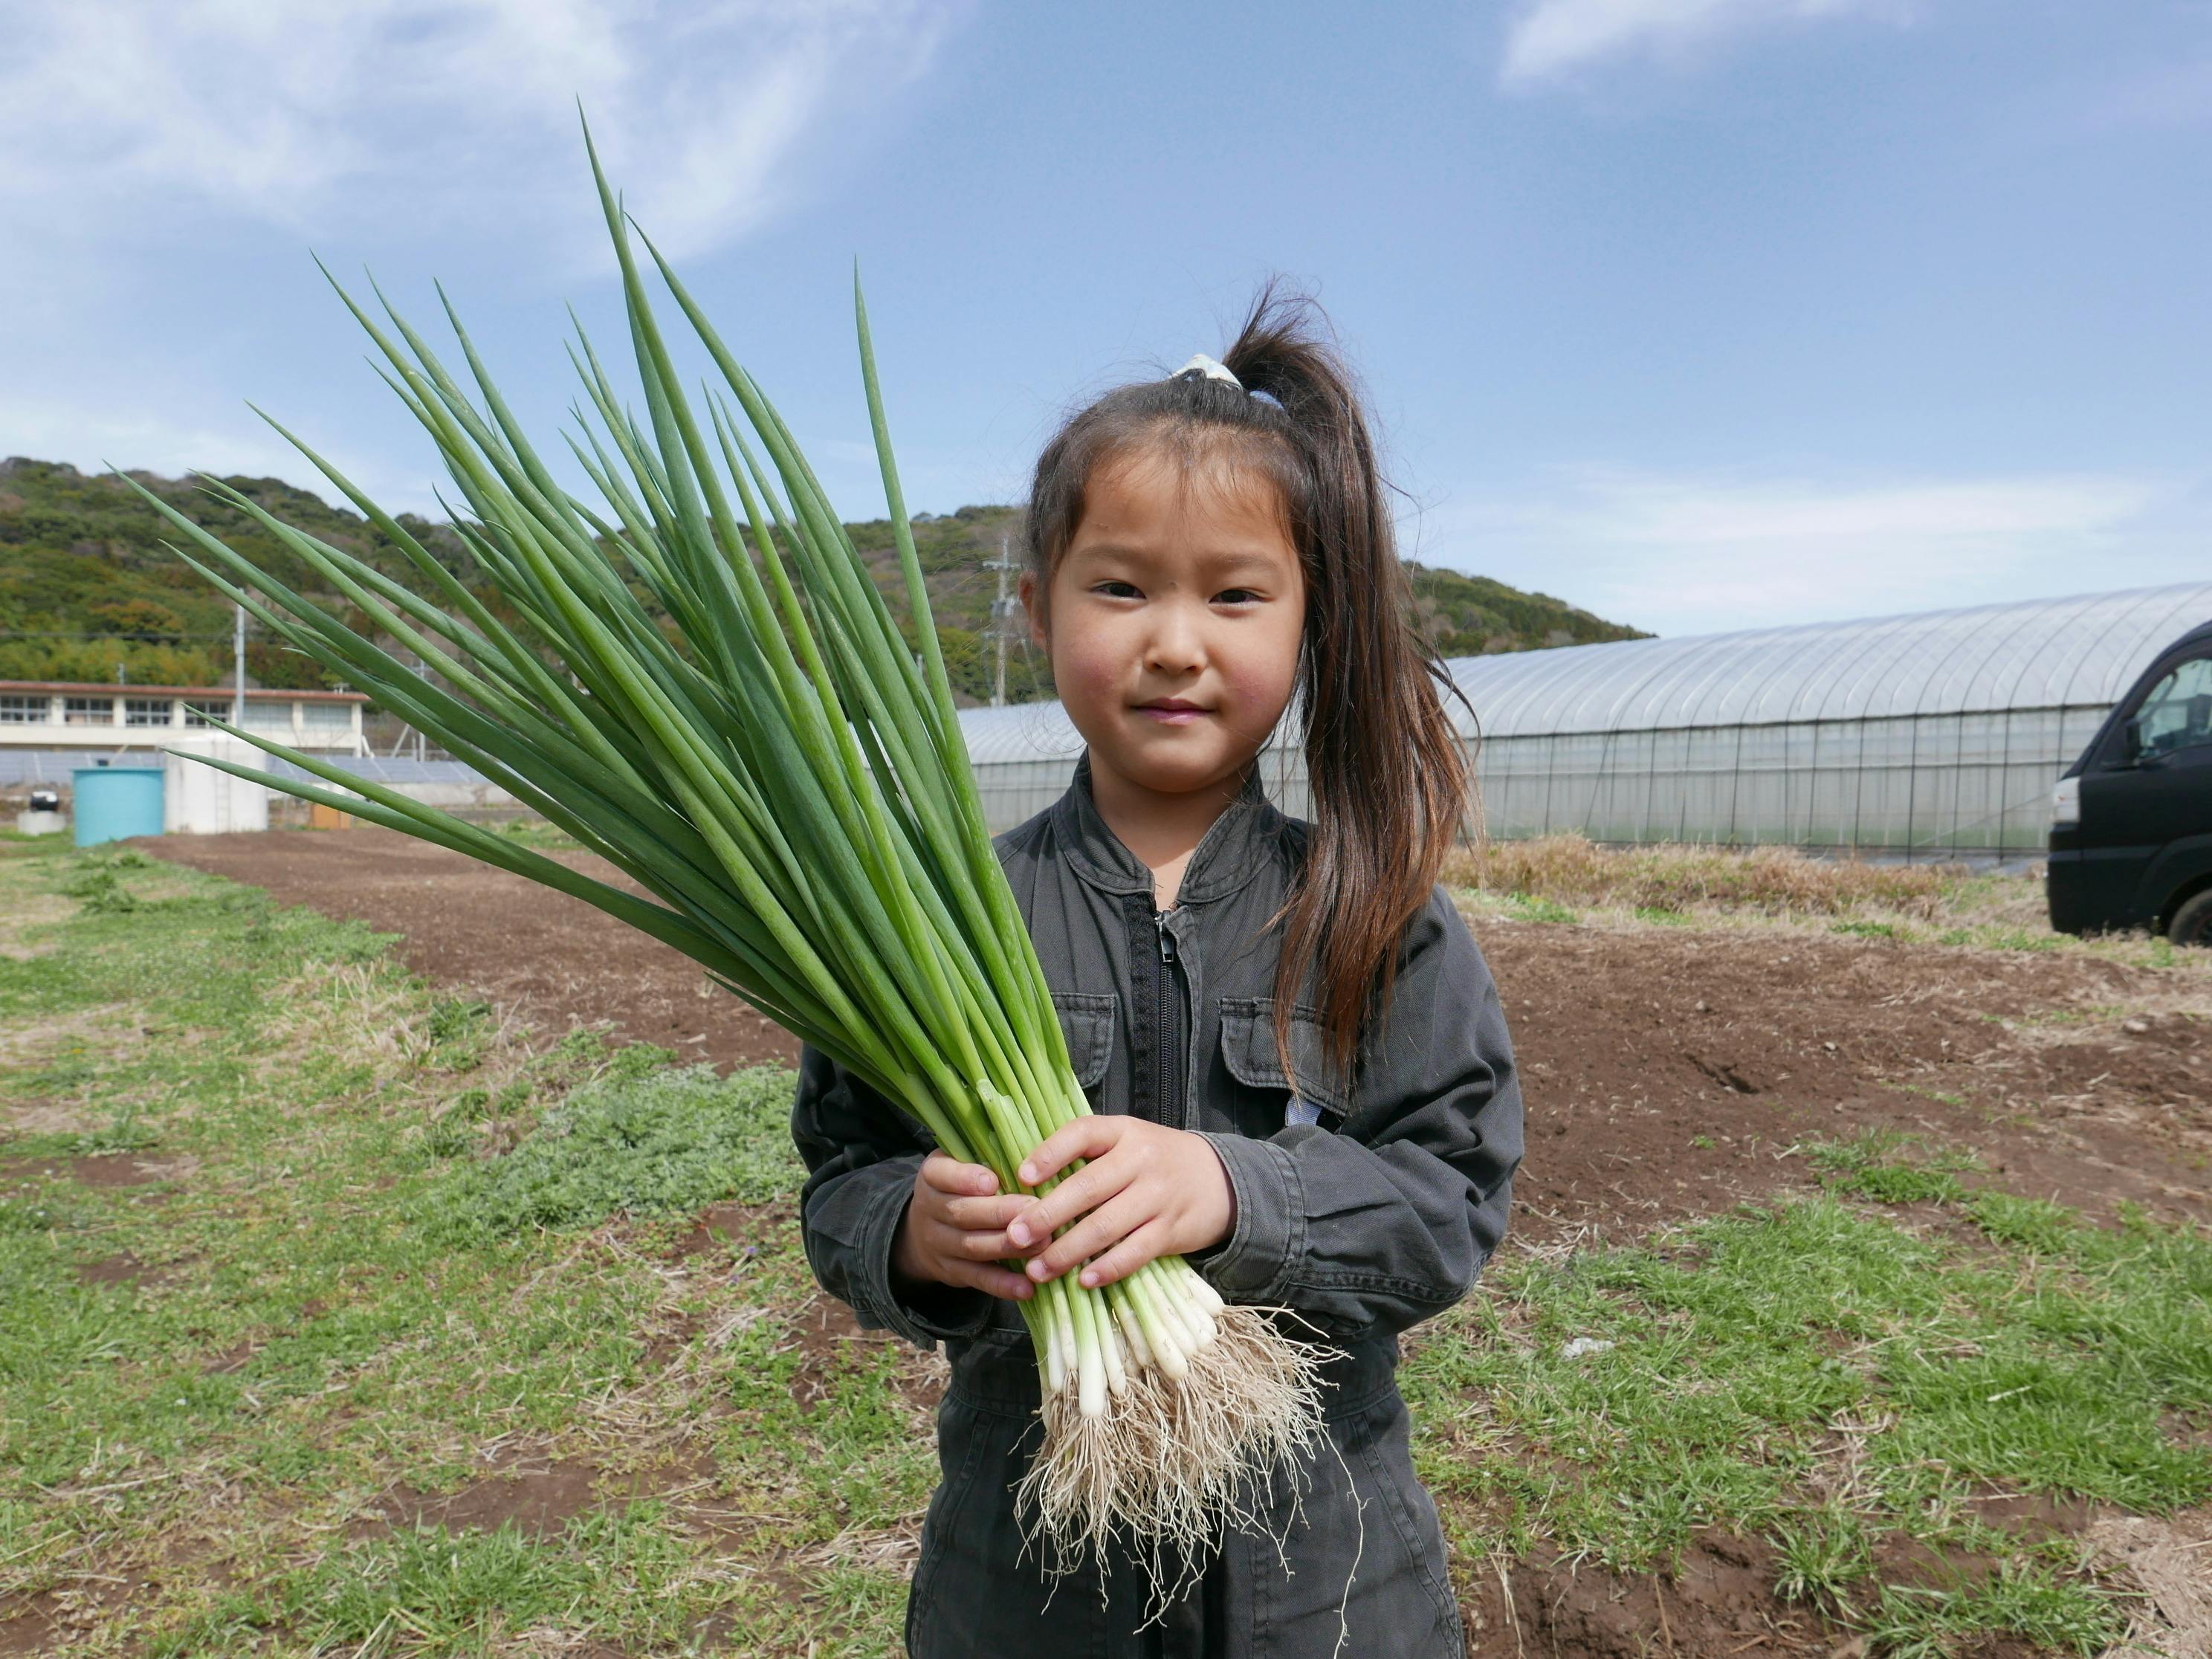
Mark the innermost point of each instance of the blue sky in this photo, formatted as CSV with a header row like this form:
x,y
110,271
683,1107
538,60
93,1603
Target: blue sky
x,y
1702,313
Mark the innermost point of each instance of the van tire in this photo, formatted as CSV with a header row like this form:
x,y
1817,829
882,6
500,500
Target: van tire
x,y
2193,922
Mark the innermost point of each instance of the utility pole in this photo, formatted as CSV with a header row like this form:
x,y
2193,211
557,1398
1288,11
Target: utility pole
x,y
1002,620
238,667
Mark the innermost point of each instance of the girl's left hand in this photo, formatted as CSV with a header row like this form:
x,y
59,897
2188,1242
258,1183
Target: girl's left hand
x,y
1147,1191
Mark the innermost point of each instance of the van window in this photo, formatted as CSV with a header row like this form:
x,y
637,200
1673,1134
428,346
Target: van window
x,y
2178,712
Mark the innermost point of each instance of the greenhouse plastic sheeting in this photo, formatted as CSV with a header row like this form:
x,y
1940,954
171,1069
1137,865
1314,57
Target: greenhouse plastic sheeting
x,y
1933,734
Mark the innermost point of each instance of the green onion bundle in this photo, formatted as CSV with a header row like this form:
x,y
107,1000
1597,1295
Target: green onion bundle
x,y
768,760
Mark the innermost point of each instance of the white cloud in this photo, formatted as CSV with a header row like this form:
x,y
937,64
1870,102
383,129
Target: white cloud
x,y
1690,555
1552,38
446,115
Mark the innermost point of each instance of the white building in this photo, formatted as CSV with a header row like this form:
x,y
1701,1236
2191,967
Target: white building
x,y
61,715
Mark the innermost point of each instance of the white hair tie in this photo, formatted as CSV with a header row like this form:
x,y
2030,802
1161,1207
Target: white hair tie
x,y
1202,364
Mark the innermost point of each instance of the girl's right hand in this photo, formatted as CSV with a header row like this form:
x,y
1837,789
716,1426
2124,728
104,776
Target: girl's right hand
x,y
954,1231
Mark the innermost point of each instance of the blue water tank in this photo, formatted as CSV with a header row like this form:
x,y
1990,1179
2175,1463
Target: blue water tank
x,y
115,801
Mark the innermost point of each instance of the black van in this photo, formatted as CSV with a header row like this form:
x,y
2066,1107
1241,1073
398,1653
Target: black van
x,y
2131,823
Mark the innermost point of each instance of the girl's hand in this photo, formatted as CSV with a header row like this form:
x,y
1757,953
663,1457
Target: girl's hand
x,y
954,1229
1147,1191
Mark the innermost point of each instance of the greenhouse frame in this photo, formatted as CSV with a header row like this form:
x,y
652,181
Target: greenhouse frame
x,y
1932,735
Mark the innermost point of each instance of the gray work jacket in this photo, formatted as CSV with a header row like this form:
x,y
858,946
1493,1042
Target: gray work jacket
x,y
1365,1203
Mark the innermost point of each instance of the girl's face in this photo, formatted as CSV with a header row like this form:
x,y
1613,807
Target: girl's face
x,y
1173,621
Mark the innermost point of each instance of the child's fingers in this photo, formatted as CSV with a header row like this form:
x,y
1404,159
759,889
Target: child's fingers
x,y
1086,1189
982,1247
1087,1137
1097,1232
1148,1244
948,1174
979,1215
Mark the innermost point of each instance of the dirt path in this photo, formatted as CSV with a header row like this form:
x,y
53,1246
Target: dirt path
x,y
2075,1078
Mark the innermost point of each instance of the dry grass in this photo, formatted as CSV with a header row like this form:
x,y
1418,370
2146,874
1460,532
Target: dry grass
x,y
26,913
1774,880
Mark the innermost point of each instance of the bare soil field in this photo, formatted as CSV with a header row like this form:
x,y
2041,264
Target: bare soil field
x,y
1668,1069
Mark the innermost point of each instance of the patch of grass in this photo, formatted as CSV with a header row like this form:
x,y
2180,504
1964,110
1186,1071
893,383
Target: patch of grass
x,y
1820,1556
2030,1600
397,1244
1677,878
662,1142
1816,1374
1526,907
1891,1166
1770,887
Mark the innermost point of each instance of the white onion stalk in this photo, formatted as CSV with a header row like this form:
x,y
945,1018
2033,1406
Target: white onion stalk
x,y
695,677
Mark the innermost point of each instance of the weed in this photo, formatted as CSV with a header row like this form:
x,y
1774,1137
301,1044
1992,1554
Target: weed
x,y
639,1142
1529,908
1819,1556
100,890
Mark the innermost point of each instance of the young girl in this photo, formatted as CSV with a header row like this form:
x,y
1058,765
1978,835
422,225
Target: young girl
x,y
1298,1063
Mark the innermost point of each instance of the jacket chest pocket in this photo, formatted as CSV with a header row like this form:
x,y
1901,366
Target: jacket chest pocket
x,y
1261,1099
1086,1020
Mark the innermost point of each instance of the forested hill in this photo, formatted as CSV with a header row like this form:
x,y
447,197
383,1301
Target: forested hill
x,y
86,584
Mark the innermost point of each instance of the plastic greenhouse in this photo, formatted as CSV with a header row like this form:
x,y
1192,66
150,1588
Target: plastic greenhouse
x,y
1928,735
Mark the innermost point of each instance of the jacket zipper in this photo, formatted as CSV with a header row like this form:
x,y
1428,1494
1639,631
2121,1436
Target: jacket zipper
x,y
1168,1032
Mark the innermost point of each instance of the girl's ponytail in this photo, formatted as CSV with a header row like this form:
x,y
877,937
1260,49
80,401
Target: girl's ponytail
x,y
1389,776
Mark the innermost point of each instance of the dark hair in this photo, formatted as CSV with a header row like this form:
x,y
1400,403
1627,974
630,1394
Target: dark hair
x,y
1388,777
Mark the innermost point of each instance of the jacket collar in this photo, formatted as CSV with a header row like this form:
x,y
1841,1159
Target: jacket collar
x,y
1227,856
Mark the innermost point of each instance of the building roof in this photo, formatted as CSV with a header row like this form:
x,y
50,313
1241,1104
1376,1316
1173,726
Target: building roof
x,y
101,688
2081,651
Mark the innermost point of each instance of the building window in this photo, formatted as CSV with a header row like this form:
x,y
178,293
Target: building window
x,y
196,714
23,711
326,716
146,711
88,711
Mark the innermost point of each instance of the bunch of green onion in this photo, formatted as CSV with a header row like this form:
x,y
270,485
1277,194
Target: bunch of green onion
x,y
768,760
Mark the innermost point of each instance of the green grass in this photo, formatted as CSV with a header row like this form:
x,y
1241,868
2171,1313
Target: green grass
x,y
1813,1372
380,1247
383,1255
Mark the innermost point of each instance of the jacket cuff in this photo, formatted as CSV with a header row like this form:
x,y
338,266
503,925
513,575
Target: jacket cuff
x,y
943,1313
1270,1230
